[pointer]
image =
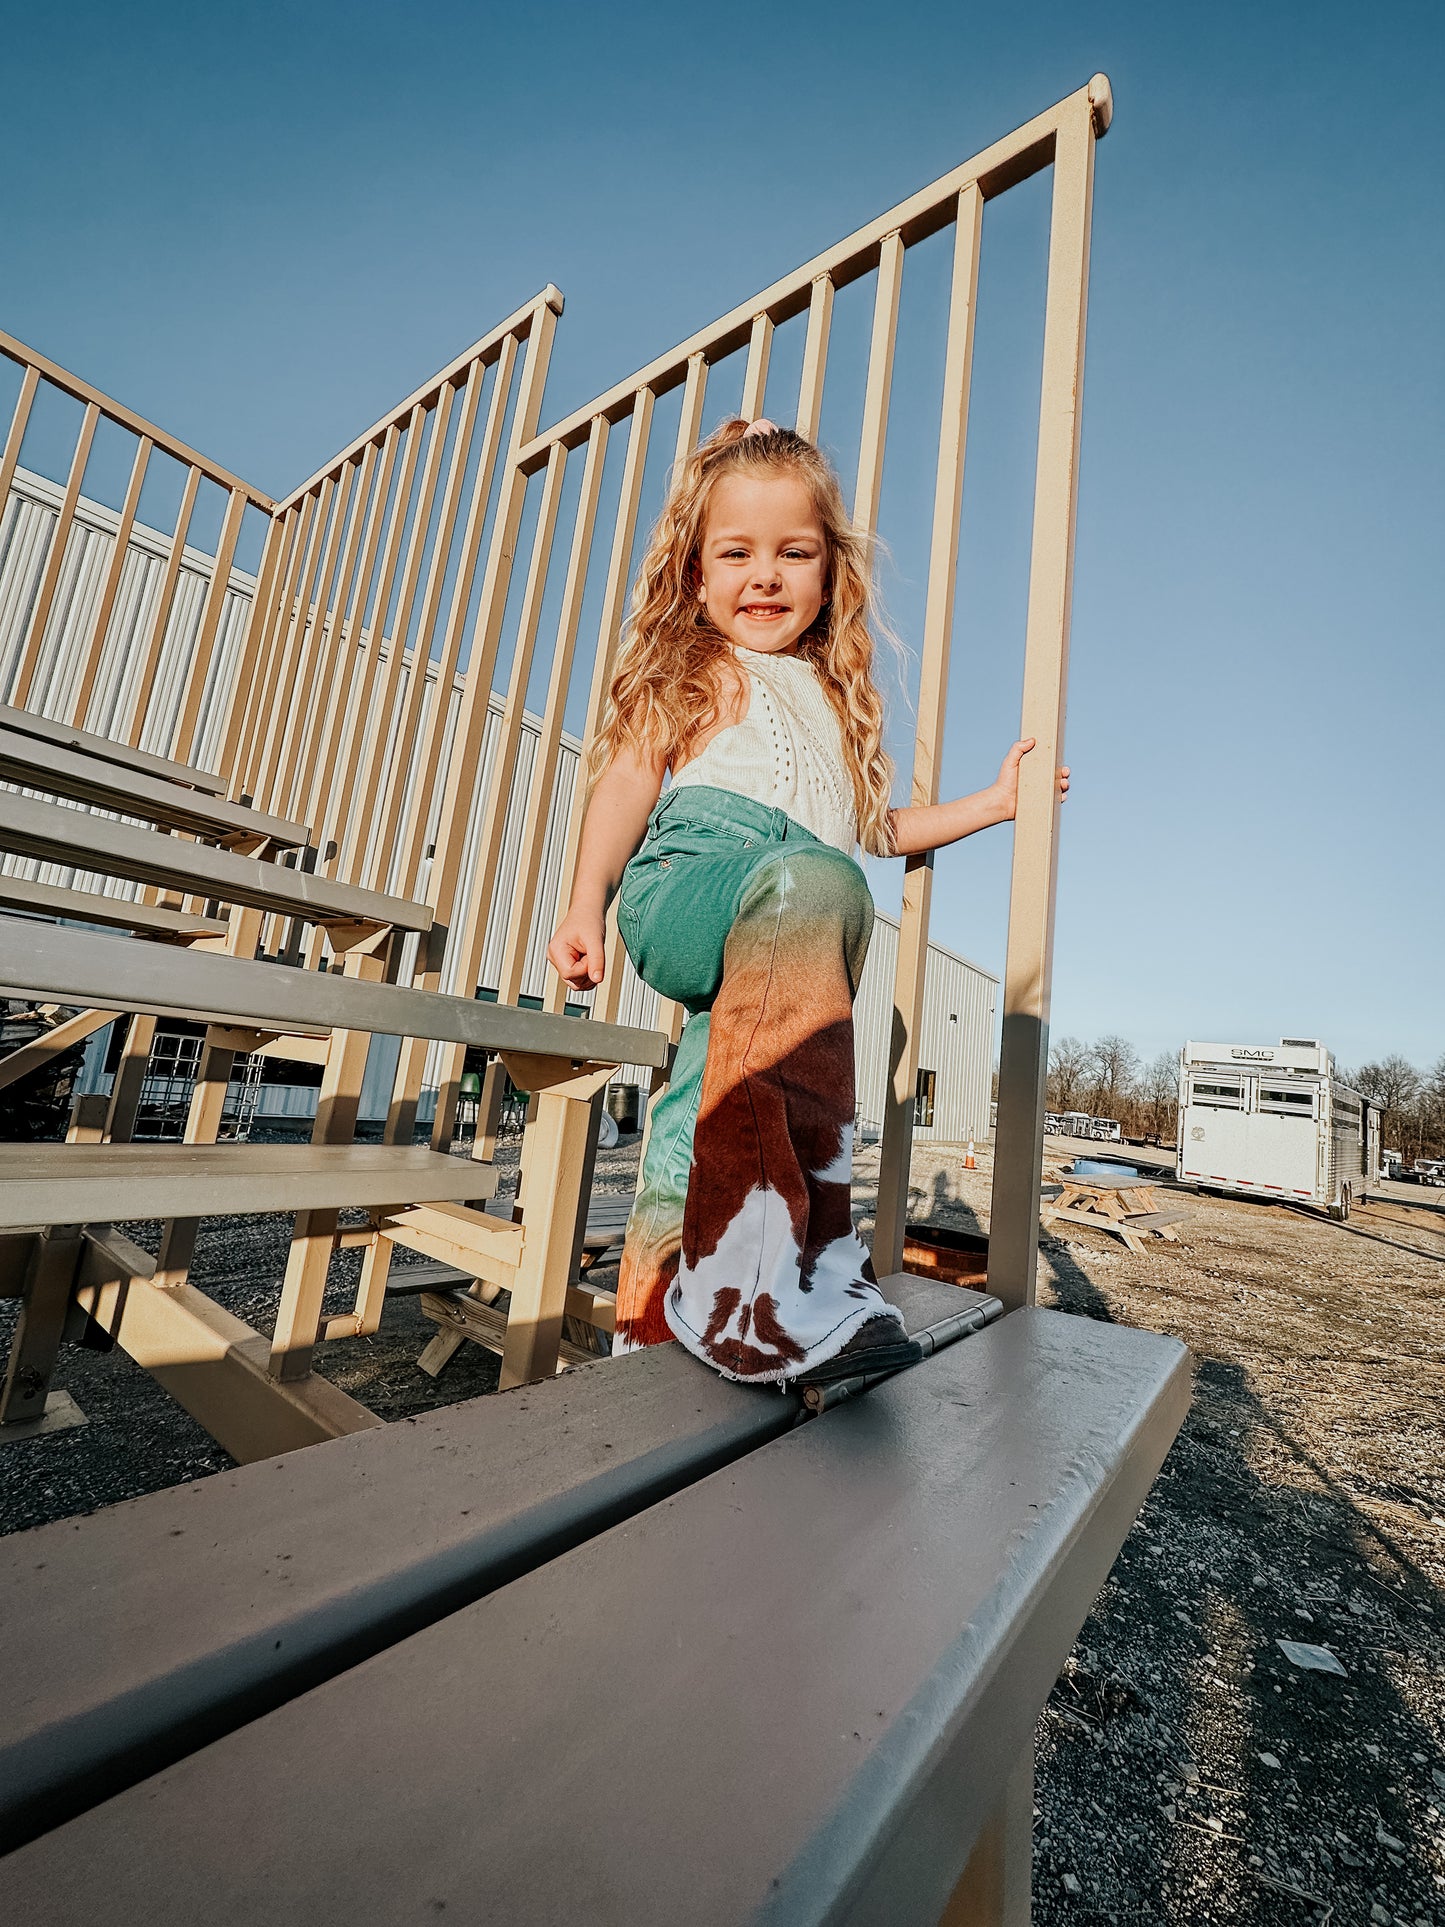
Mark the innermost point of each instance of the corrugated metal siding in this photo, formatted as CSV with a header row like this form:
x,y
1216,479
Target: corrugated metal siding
x,y
25,534
26,529
959,1001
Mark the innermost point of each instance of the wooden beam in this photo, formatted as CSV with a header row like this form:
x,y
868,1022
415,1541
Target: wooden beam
x,y
556,1160
30,1057
49,1278
214,1365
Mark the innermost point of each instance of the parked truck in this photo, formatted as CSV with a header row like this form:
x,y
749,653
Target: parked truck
x,y
1274,1121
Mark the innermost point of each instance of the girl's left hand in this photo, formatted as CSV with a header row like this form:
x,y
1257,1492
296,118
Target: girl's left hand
x,y
1006,788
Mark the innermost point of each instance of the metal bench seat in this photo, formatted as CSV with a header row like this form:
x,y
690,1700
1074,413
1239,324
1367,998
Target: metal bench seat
x,y
229,1596
83,777
66,736
256,1395
75,967
54,1184
801,1688
87,906
55,833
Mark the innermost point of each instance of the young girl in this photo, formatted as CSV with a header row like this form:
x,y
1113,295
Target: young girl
x,y
746,672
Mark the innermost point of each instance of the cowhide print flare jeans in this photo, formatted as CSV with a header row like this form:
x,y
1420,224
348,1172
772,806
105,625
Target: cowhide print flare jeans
x,y
741,1242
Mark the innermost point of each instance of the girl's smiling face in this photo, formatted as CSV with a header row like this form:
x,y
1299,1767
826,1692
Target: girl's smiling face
x,y
762,561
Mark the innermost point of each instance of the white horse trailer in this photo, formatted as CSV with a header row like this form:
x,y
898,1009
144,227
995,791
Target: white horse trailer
x,y
1273,1121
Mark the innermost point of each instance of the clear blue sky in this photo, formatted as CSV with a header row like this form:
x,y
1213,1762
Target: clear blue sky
x,y
263,225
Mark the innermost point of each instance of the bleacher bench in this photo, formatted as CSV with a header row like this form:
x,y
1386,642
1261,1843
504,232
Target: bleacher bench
x,y
633,1645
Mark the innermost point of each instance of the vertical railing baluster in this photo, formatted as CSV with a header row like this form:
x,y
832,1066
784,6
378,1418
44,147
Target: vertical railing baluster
x,y
544,763
262,688
279,765
413,831
1024,1059
329,655
815,357
351,608
755,375
468,941
293,642
110,588
609,631
54,561
402,771
880,383
909,974
281,534
356,849
694,394
471,723
340,817
15,436
184,735
487,631
689,428
165,603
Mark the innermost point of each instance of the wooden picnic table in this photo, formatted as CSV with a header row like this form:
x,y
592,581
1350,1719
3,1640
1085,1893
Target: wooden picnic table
x,y
1125,1206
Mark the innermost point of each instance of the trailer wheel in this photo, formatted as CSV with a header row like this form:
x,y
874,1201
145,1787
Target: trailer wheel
x,y
1340,1209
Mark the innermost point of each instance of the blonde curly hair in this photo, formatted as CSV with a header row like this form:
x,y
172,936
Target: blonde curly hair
x,y
666,688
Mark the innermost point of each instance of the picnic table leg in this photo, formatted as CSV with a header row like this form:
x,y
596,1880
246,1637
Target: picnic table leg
x,y
129,1076
439,1352
489,1112
365,1318
49,1280
557,1154
298,1319
997,1883
203,1126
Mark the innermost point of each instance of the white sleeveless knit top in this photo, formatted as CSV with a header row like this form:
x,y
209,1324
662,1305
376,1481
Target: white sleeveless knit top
x,y
786,752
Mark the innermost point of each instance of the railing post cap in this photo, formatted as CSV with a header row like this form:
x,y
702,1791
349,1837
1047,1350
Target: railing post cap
x,y
556,300
1101,100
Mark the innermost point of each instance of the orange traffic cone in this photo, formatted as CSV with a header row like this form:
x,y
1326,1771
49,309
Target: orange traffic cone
x,y
970,1162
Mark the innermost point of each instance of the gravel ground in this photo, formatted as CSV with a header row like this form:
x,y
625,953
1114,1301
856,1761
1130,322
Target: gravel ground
x,y
1187,1772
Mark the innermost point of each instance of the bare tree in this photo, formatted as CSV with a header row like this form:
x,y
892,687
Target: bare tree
x,y
1113,1070
1159,1095
1395,1085
1068,1067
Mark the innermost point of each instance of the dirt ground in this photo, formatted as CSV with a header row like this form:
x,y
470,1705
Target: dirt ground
x,y
1187,1771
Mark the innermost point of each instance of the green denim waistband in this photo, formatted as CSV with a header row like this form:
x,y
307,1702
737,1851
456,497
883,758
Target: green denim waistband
x,y
724,809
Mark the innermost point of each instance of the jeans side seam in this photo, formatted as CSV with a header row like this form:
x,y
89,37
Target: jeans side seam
x,y
743,1065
